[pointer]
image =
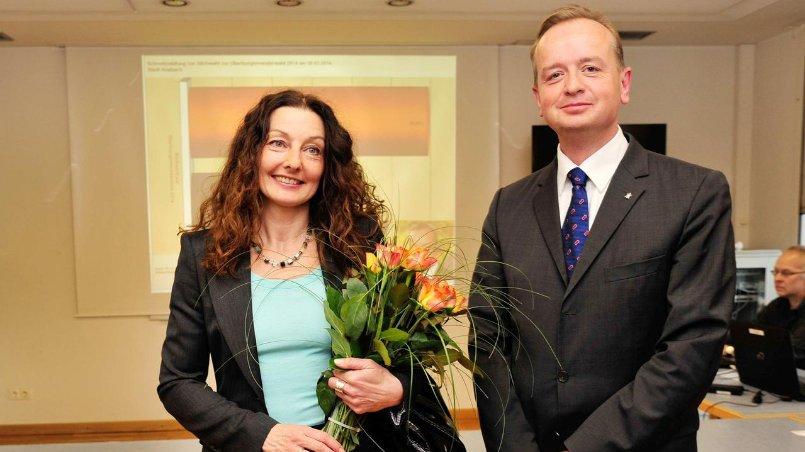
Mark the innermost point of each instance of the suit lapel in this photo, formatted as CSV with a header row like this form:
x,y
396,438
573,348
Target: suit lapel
x,y
546,208
231,300
626,187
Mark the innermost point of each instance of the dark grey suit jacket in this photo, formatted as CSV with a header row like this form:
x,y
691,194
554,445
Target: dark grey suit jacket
x,y
211,317
619,356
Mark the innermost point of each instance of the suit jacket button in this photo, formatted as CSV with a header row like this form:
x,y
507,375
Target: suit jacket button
x,y
563,376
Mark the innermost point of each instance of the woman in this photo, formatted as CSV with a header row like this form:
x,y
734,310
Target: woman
x,y
290,213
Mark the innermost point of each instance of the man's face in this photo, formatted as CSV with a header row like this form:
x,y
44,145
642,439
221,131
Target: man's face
x,y
788,279
580,85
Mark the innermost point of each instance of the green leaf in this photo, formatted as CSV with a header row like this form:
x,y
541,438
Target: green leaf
x,y
399,295
431,360
340,345
355,289
445,337
441,358
381,349
371,321
447,356
371,279
394,335
334,298
333,319
354,437
354,314
469,365
356,347
344,308
326,396
422,341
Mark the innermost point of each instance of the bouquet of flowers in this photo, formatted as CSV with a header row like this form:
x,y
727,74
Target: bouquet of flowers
x,y
391,312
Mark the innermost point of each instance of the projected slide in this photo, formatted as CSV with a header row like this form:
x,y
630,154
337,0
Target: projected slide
x,y
400,111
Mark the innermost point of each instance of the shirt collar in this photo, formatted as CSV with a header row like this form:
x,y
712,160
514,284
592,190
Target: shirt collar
x,y
599,167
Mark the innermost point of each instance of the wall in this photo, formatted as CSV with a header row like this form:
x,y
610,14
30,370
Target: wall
x,y
777,140
105,369
77,369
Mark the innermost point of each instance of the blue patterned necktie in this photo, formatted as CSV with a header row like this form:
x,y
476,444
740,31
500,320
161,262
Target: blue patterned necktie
x,y
576,228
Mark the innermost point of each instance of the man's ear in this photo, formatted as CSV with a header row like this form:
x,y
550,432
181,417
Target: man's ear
x,y
626,84
535,91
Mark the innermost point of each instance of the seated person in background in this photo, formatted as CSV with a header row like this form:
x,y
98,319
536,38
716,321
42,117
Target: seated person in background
x,y
788,310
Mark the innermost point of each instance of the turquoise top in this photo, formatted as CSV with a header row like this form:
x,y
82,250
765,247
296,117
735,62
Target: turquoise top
x,y
293,345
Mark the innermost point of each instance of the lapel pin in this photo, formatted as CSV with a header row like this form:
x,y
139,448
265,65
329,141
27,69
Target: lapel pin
x,y
628,195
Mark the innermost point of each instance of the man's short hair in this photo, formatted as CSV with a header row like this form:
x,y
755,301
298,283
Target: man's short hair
x,y
572,12
799,250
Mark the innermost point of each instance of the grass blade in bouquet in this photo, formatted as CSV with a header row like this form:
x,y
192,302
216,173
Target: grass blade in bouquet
x,y
392,313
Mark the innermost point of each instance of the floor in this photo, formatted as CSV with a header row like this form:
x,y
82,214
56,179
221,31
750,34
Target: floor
x,y
472,439
715,435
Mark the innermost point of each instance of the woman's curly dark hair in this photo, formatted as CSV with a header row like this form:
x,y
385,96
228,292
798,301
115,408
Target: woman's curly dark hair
x,y
344,212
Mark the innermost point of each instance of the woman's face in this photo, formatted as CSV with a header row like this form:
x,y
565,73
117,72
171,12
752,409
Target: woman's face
x,y
292,161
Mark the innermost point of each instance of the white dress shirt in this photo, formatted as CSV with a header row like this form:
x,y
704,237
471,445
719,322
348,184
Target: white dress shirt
x,y
599,167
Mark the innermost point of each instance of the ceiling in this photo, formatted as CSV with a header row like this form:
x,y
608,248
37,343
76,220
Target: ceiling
x,y
373,22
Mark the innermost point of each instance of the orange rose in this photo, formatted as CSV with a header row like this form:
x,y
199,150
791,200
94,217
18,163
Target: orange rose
x,y
431,297
436,295
418,259
390,256
460,305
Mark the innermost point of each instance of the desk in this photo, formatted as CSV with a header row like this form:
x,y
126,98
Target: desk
x,y
739,435
741,407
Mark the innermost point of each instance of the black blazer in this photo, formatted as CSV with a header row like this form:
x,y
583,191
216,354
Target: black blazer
x,y
211,317
638,329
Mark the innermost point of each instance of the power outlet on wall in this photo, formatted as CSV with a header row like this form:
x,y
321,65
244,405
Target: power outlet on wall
x,y
17,394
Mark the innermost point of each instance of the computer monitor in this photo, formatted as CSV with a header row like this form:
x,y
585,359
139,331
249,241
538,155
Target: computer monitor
x,y
764,358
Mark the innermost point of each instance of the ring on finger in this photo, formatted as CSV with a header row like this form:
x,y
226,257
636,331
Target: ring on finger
x,y
339,385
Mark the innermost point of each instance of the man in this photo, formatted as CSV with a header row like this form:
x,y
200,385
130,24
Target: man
x,y
788,311
609,274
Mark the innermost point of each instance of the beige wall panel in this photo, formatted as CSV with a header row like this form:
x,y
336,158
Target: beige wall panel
x,y
741,189
692,89
77,370
777,140
107,144
518,112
